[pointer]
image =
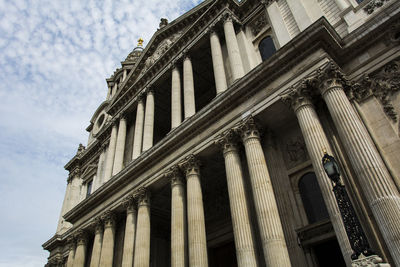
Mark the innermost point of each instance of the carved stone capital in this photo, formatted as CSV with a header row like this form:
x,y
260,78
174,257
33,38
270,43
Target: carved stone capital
x,y
330,77
190,165
248,129
149,90
71,242
175,176
97,225
143,196
81,237
370,261
129,203
299,95
227,16
228,141
109,219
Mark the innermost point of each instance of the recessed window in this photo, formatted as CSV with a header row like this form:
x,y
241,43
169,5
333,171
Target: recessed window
x,y
311,196
100,120
89,188
266,48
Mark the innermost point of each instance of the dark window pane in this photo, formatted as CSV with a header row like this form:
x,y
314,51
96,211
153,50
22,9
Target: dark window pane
x,y
267,48
89,188
311,195
359,1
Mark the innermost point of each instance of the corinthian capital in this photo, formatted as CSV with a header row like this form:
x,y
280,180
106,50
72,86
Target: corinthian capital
x,y
174,175
248,129
228,141
81,237
108,218
300,94
330,76
129,203
143,196
190,165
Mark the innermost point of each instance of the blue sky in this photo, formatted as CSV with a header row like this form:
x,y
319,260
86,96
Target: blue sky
x,y
54,59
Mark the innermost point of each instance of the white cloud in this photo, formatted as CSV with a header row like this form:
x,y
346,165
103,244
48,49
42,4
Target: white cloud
x,y
54,57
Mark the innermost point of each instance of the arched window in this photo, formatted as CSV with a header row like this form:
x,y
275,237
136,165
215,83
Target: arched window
x,y
266,47
311,195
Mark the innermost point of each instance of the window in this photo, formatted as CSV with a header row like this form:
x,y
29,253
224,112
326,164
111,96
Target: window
x,y
359,1
311,196
266,48
89,188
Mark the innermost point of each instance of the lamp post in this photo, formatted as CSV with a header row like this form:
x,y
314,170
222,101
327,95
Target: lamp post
x,y
355,233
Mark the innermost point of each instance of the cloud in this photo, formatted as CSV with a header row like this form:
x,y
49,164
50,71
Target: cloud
x,y
54,58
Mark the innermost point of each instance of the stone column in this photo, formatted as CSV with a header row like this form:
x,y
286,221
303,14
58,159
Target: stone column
x,y
71,254
178,219
374,178
98,239
100,172
273,240
188,88
233,49
142,243
278,25
76,183
124,75
148,121
107,248
138,137
120,146
109,92
111,153
218,63
176,109
242,229
80,253
130,232
316,141
195,214
114,90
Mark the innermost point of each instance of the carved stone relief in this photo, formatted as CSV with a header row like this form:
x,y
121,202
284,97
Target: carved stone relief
x,y
374,4
258,23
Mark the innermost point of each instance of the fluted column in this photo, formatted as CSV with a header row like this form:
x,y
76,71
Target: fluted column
x,y
195,214
142,243
120,146
374,178
242,229
176,108
130,232
218,63
107,248
111,153
316,141
100,172
148,121
188,88
71,254
80,253
273,240
98,239
178,219
233,49
138,137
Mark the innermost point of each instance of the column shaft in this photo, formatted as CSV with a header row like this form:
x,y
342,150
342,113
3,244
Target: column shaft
x,y
188,88
120,147
374,178
80,254
176,108
142,243
316,141
218,63
107,248
242,229
130,231
148,122
233,50
111,154
71,255
273,240
96,251
138,137
178,221
195,216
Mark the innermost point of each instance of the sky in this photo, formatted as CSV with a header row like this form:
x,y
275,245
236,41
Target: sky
x,y
54,59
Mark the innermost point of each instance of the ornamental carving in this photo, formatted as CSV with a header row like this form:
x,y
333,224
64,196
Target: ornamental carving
x,y
381,85
248,129
259,23
129,203
160,50
190,165
300,94
143,196
174,175
108,218
228,141
374,4
371,261
296,149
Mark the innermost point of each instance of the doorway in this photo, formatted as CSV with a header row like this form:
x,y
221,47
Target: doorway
x,y
223,255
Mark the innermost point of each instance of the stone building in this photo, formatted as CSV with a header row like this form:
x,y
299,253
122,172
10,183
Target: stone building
x,y
207,150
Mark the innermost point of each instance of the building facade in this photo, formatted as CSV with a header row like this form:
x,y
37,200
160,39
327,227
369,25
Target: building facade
x,y
207,150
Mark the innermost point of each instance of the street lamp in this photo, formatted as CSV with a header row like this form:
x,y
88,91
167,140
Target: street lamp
x,y
355,233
